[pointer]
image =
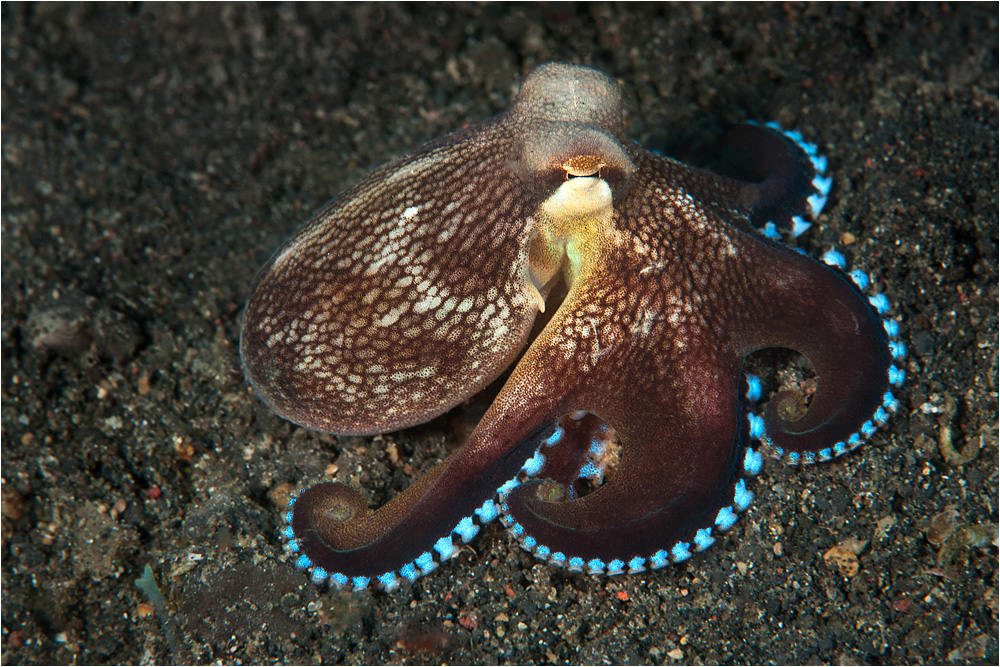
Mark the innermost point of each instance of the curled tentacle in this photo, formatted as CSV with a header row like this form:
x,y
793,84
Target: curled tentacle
x,y
839,329
341,540
672,491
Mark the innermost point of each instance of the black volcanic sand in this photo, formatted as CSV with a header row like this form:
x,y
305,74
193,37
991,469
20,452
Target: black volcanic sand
x,y
155,155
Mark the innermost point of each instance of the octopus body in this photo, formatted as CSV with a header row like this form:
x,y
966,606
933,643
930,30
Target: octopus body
x,y
417,287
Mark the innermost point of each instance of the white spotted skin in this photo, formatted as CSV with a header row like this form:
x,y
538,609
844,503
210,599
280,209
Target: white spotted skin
x,y
373,316
410,291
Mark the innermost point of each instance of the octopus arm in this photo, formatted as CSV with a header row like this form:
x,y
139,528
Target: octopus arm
x,y
754,175
338,533
682,432
820,312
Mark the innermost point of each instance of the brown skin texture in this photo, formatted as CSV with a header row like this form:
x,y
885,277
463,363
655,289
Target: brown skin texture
x,y
154,156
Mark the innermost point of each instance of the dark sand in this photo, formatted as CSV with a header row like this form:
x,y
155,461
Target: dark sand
x,y
155,155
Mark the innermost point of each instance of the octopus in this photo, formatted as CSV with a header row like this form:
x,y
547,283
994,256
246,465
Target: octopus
x,y
623,438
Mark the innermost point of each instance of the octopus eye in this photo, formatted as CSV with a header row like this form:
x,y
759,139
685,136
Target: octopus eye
x,y
558,152
583,166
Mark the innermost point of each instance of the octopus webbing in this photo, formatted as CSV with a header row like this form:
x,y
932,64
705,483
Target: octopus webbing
x,y
417,287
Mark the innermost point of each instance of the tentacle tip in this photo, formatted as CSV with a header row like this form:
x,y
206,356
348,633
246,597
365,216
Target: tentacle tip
x,y
788,406
328,502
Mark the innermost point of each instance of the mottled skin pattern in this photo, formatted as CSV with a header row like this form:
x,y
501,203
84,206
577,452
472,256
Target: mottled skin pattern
x,y
415,288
